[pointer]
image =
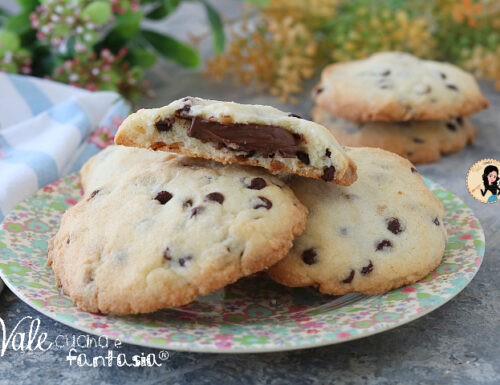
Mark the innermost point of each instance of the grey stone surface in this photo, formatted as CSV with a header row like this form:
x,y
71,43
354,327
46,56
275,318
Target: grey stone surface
x,y
456,344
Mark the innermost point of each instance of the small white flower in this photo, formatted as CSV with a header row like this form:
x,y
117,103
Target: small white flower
x,y
95,71
7,57
79,47
73,77
79,29
70,20
87,37
59,9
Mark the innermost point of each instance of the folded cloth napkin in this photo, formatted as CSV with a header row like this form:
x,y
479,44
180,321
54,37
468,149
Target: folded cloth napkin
x,y
48,130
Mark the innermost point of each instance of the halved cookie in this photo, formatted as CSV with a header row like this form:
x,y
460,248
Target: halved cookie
x,y
165,232
383,232
240,133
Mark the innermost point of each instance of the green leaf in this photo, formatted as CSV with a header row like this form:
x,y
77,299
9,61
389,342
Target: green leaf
x,y
171,5
20,23
172,49
217,27
43,62
4,13
259,2
158,13
165,8
28,5
128,24
99,12
142,57
9,41
113,40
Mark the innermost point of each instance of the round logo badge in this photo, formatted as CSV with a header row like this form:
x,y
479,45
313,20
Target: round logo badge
x,y
483,181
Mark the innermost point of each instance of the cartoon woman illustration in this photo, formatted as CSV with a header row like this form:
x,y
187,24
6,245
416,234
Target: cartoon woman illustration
x,y
491,183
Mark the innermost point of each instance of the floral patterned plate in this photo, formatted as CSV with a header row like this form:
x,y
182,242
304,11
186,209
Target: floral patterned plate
x,y
253,315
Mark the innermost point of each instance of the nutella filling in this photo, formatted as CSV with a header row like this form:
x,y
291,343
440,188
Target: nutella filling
x,y
245,137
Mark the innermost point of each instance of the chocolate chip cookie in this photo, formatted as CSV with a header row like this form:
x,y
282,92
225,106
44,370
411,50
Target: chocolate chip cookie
x,y
396,86
384,231
165,232
417,140
115,160
238,133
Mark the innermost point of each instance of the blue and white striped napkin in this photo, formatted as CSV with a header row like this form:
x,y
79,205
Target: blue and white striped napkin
x,y
48,130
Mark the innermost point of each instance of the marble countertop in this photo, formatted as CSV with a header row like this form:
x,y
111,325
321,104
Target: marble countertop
x,y
455,344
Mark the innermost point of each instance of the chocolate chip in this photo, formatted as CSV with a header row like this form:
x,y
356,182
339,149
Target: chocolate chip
x,y
167,255
414,170
68,241
328,173
249,154
216,197
187,203
436,221
383,84
344,231
163,197
409,153
257,184
394,226
309,256
386,73
295,116
297,137
443,75
197,210
94,193
327,153
367,269
303,157
164,124
460,120
319,90
182,261
266,203
452,87
418,140
349,278
183,112
384,245
451,126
